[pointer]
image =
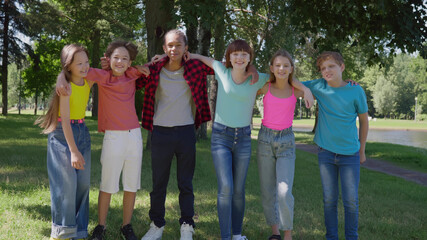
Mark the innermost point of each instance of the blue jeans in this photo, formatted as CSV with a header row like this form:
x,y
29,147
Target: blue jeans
x,y
347,168
231,153
276,167
69,187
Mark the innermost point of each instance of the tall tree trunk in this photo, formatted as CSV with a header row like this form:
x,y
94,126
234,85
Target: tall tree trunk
x,y
203,49
96,40
158,20
191,32
36,69
219,49
36,97
316,115
5,61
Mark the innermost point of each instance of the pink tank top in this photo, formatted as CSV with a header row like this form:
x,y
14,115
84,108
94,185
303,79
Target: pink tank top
x,y
278,112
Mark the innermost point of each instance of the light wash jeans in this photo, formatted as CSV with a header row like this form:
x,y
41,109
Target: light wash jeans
x,y
231,153
276,166
69,187
333,167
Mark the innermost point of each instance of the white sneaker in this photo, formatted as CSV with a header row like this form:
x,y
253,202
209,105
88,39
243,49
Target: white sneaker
x,y
187,232
240,237
155,233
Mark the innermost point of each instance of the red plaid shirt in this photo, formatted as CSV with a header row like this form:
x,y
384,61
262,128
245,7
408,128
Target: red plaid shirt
x,y
195,73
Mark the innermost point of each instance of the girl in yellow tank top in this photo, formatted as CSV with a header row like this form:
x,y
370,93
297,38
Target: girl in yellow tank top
x,y
68,150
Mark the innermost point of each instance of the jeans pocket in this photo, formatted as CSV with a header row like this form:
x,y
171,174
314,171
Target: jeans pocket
x,y
219,128
247,131
57,141
263,137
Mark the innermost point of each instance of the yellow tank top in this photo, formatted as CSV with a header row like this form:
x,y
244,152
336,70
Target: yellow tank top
x,y
78,100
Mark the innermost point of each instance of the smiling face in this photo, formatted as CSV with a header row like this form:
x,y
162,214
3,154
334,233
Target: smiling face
x,y
80,66
331,70
281,68
174,46
120,61
239,59
238,53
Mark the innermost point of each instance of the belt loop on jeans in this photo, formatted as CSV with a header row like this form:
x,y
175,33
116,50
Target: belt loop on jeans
x,y
74,120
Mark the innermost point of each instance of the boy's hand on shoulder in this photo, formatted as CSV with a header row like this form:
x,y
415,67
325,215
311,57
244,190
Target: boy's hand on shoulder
x,y
352,82
63,88
157,58
105,62
143,69
252,72
187,56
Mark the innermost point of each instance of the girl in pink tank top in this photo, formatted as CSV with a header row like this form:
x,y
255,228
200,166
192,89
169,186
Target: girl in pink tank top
x,y
276,146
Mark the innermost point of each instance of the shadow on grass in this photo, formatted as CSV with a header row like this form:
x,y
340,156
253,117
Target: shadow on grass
x,y
39,212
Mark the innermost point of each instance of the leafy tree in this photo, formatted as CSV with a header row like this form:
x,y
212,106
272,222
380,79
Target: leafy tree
x,y
384,97
14,26
44,67
418,66
92,23
366,23
400,75
408,76
13,80
368,82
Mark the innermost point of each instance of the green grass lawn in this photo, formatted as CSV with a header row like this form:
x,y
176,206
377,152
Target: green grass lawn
x,y
390,208
374,124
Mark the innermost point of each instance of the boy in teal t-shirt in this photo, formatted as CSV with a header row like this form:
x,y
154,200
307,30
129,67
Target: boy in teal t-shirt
x,y
341,148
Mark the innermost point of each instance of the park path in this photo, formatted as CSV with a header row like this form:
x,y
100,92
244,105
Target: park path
x,y
379,166
375,165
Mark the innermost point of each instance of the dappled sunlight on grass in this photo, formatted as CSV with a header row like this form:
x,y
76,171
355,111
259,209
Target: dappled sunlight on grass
x,y
390,208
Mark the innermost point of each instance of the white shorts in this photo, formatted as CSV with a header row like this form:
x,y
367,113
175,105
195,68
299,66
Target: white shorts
x,y
121,151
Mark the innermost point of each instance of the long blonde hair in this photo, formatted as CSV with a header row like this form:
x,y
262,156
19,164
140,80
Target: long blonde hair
x,y
282,53
49,121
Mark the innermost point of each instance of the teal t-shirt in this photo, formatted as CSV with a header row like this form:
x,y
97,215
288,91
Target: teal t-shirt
x,y
234,103
336,129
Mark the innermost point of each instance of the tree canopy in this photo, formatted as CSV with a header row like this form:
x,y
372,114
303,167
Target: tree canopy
x,y
366,32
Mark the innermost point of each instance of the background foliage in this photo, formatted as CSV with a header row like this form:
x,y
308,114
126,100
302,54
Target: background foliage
x,y
386,56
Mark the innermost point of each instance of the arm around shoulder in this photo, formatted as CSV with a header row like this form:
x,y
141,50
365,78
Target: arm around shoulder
x,y
308,96
206,60
263,90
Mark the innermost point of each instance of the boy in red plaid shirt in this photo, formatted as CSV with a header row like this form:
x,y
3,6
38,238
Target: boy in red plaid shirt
x,y
175,104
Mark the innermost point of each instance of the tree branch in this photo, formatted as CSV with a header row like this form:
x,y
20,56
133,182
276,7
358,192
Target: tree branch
x,y
249,11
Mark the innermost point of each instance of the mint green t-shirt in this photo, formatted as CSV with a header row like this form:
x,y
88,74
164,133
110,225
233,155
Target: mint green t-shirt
x,y
234,103
336,129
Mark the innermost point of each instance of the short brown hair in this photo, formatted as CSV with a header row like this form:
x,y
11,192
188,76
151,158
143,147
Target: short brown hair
x,y
132,48
336,56
235,46
282,53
